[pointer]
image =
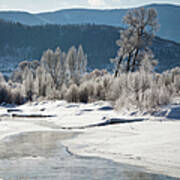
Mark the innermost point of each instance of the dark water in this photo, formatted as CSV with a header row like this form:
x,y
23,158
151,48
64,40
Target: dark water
x,y
39,155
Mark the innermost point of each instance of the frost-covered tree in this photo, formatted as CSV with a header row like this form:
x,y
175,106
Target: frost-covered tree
x,y
28,83
63,70
148,62
51,63
54,63
43,83
72,62
18,74
64,67
76,63
135,39
81,60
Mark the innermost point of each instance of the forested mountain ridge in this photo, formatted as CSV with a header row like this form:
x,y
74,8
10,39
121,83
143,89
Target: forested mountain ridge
x,y
19,42
168,17
22,17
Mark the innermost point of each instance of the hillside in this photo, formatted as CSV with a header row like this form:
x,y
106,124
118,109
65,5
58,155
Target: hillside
x,y
22,17
19,42
168,16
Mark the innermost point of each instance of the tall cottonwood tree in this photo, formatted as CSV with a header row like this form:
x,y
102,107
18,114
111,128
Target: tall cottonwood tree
x,y
76,63
135,39
63,67
51,63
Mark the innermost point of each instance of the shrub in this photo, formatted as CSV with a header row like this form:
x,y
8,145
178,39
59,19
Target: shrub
x,y
72,94
141,91
10,95
83,94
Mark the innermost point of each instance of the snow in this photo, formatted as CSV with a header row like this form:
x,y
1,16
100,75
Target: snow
x,y
153,142
154,145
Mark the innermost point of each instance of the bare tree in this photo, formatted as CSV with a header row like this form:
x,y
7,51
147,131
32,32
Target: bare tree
x,y
141,26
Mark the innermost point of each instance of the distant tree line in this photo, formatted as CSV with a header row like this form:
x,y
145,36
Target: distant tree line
x,y
32,41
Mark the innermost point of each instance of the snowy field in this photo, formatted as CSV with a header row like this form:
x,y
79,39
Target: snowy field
x,y
140,139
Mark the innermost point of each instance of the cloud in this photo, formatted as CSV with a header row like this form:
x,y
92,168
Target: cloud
x,y
96,3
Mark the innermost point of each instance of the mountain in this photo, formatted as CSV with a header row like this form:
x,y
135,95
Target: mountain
x,y
84,16
19,42
168,16
22,17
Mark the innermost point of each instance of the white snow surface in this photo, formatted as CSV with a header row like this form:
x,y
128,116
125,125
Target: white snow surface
x,y
153,143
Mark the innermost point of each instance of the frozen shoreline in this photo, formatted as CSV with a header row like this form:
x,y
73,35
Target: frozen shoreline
x,y
153,144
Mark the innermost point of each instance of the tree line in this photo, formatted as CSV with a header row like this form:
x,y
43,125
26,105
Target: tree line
x,y
63,75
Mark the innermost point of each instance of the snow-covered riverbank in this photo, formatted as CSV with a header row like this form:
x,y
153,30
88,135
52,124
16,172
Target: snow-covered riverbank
x,y
151,142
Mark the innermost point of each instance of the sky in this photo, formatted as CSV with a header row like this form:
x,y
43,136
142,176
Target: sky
x,y
35,6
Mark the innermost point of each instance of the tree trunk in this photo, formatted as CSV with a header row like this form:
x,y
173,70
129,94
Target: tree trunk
x,y
128,62
118,66
140,34
134,60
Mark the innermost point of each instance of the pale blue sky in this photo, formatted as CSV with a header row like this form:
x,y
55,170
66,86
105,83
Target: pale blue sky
x,y
51,5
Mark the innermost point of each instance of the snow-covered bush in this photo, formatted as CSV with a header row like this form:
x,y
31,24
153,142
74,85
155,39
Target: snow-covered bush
x,y
89,90
84,94
141,90
72,94
10,92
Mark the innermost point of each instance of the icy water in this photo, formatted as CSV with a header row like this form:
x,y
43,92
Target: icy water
x,y
40,155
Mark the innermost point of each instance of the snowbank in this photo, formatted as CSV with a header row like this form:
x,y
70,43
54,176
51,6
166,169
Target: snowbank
x,y
149,141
